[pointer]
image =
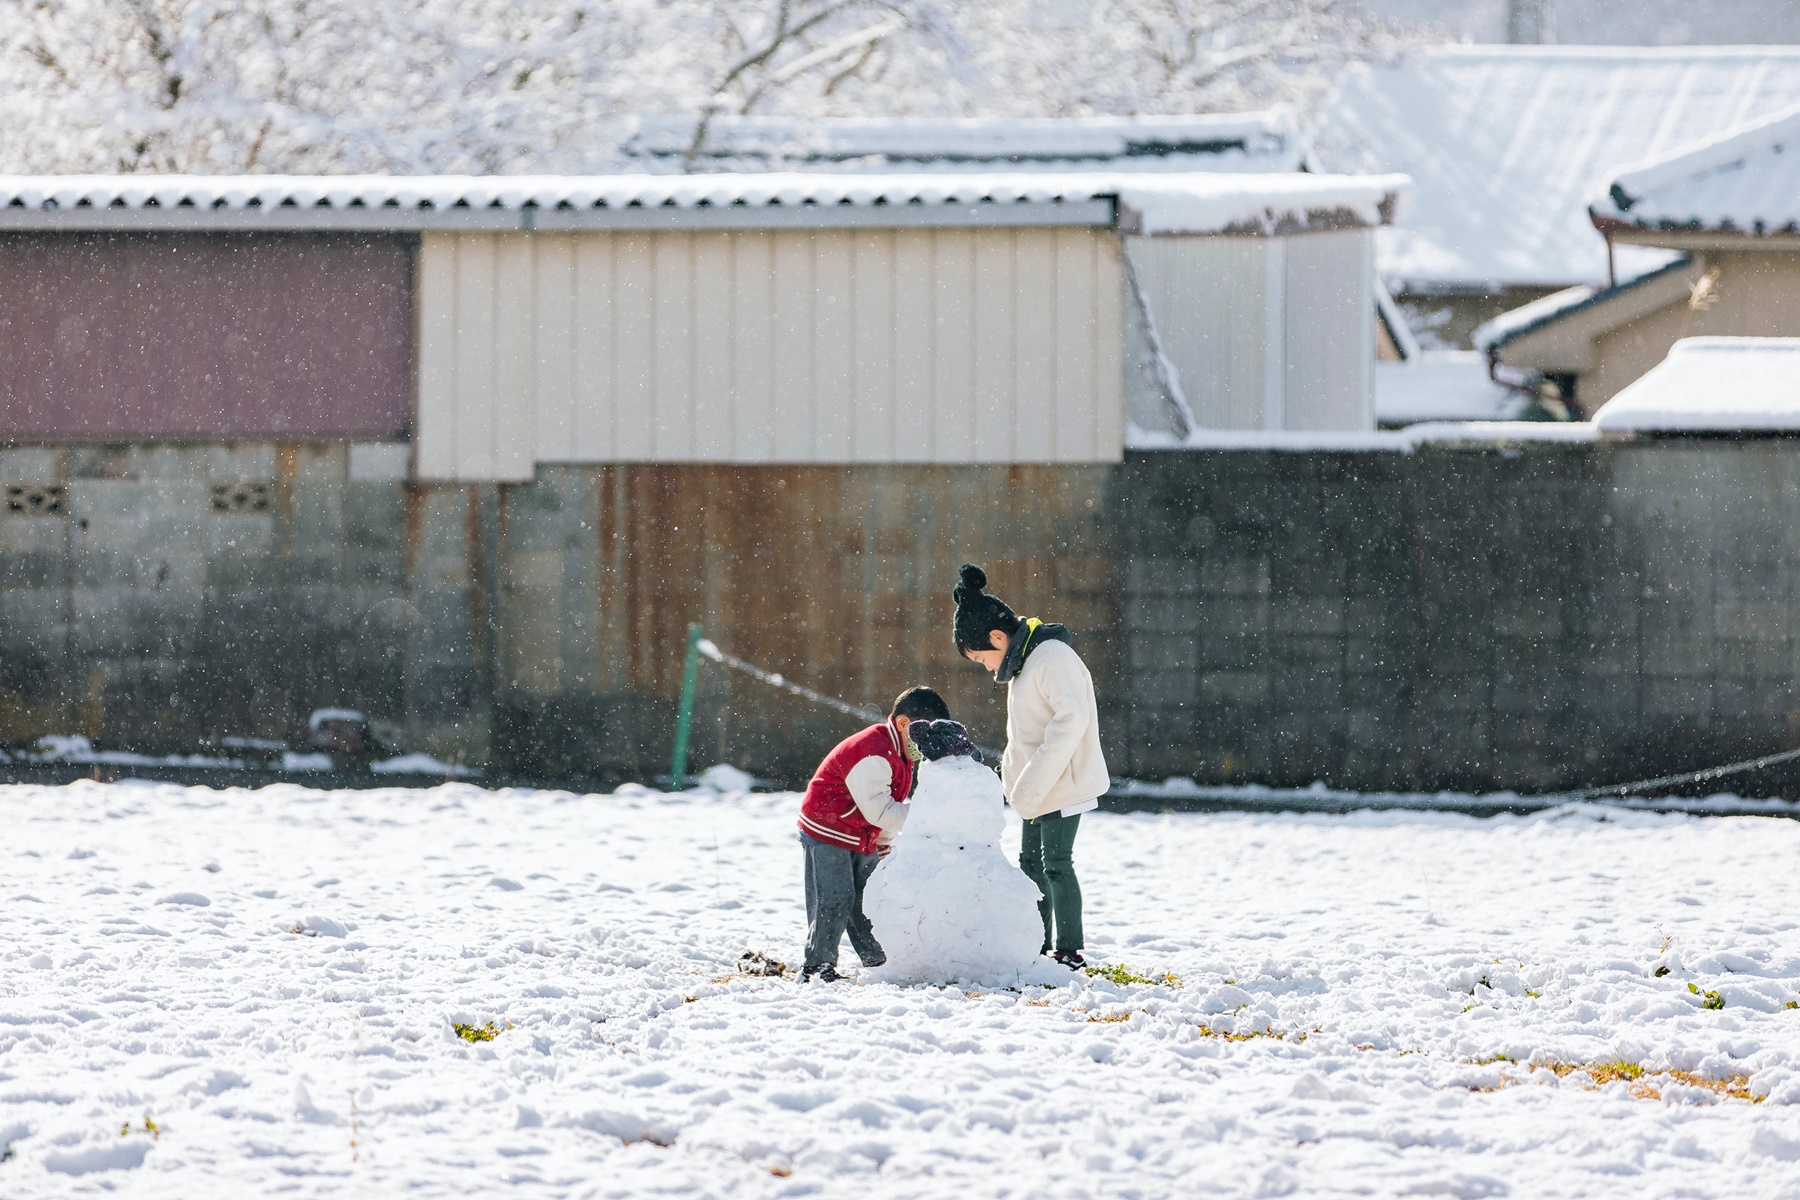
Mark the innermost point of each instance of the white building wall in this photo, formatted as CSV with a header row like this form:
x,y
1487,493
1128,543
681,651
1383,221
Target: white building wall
x,y
844,346
1267,333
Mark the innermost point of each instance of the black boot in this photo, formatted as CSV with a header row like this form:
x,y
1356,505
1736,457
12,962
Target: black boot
x,y
824,974
1071,959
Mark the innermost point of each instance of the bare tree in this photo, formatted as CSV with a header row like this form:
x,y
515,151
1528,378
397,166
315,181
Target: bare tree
x,y
519,85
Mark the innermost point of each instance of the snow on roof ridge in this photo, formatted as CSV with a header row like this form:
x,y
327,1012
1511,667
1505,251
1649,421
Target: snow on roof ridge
x,y
964,137
1173,204
1727,148
1494,333
1497,331
1716,343
1196,202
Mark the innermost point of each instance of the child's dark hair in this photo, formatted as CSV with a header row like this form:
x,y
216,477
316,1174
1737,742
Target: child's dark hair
x,y
920,704
979,614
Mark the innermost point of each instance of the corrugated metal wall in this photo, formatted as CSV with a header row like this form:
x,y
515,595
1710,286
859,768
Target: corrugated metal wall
x,y
865,346
183,336
1267,333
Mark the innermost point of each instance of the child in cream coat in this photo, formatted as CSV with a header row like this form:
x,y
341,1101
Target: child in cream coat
x,y
1052,770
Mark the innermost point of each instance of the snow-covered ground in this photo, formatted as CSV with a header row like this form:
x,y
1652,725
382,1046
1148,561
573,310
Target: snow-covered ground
x,y
151,979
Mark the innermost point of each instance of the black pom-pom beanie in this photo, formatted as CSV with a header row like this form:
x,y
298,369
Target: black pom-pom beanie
x,y
977,613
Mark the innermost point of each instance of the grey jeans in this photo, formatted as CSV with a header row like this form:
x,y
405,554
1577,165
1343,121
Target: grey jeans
x,y
835,876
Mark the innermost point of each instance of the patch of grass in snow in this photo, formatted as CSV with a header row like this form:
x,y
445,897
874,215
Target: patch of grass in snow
x,y
1604,1073
479,1033
1708,999
150,1127
1644,1084
1223,1036
1123,975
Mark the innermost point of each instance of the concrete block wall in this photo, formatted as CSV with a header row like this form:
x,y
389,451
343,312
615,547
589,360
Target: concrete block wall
x,y
191,591
1528,619
537,628
1553,617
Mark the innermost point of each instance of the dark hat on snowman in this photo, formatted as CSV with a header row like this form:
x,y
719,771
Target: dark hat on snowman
x,y
942,739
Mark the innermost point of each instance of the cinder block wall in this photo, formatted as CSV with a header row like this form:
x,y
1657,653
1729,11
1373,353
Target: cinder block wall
x,y
1552,617
156,595
1451,618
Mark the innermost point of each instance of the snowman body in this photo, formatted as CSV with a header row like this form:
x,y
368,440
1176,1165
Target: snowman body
x,y
946,905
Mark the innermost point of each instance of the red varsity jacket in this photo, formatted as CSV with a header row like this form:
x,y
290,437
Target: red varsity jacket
x,y
829,813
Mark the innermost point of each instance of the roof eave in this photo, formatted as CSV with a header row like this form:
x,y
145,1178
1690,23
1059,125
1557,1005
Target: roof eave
x,y
1099,211
1698,237
1648,291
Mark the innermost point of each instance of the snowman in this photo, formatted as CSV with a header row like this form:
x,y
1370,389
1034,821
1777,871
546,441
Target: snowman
x,y
946,904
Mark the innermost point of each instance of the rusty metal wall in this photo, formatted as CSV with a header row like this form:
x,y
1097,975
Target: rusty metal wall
x,y
838,577
192,336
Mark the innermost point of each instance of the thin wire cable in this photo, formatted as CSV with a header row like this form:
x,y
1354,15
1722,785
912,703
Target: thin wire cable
x,y
709,649
1736,768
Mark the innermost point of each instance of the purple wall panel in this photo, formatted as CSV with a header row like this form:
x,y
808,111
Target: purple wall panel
x,y
204,336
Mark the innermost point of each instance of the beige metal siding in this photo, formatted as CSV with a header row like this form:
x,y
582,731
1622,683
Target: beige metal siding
x,y
1266,333
1206,295
474,385
946,346
1329,341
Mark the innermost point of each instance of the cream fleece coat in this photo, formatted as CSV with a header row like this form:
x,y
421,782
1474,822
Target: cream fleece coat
x,y
1052,758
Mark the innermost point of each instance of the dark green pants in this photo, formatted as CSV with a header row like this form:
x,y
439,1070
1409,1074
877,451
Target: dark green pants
x,y
1045,854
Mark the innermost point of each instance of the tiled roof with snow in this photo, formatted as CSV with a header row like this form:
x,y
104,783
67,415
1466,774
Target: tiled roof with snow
x,y
1180,203
1744,180
1509,144
1232,142
1712,385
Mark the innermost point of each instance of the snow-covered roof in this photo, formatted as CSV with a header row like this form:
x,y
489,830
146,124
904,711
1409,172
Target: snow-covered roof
x,y
1548,310
1174,203
1712,385
1441,385
1233,142
1744,180
1508,144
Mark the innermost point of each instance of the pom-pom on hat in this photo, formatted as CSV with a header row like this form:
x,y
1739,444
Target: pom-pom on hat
x,y
977,613
942,739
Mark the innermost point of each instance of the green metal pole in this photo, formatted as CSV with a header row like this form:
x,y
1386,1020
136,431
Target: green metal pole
x,y
684,723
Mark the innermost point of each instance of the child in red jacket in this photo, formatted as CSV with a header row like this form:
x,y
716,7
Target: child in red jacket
x,y
854,805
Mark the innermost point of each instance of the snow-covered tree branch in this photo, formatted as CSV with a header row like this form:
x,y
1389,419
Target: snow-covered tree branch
x,y
514,85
